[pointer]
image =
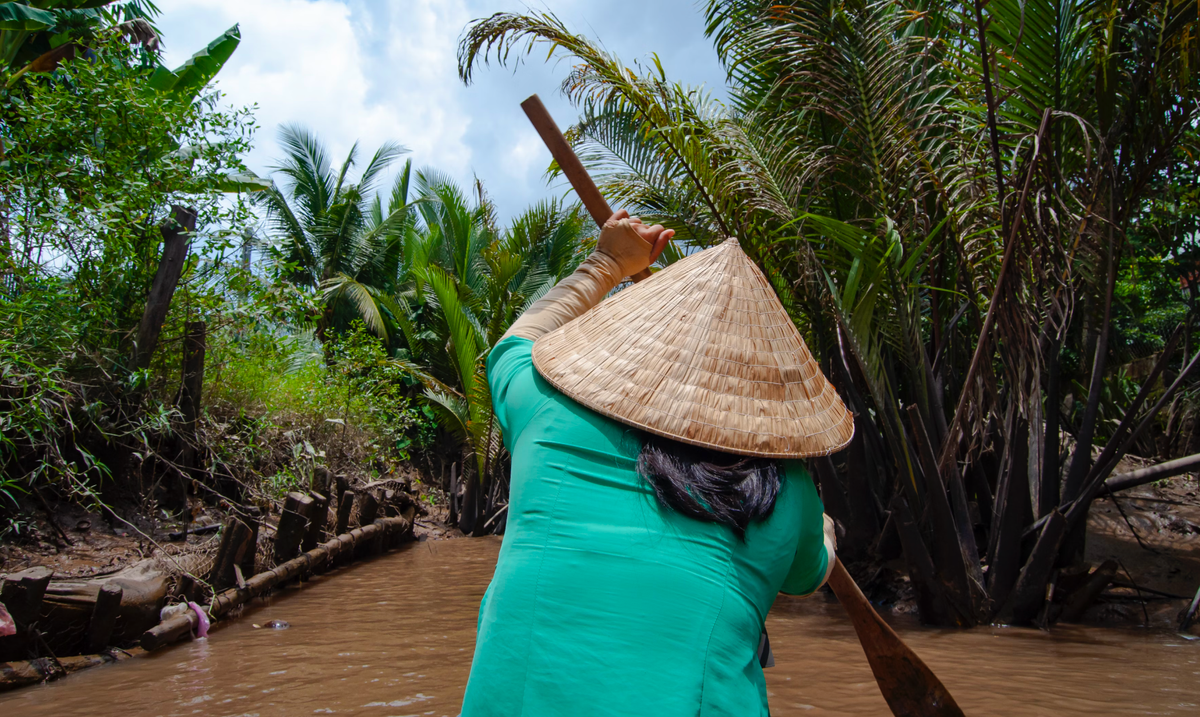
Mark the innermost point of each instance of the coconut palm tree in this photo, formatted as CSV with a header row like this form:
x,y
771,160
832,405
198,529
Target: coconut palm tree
x,y
333,236
463,283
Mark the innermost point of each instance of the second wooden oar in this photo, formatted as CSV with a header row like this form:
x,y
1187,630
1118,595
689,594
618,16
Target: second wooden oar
x,y
909,687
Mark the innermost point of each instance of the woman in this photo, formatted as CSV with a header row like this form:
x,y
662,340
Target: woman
x,y
655,509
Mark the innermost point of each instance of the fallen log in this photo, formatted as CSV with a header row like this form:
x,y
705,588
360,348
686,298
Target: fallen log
x,y
45,669
314,560
1150,474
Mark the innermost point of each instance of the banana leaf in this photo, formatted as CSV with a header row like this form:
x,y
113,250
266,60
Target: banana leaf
x,y
16,16
190,77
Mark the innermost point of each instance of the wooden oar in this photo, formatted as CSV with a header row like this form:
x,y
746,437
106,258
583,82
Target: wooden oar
x,y
570,165
909,687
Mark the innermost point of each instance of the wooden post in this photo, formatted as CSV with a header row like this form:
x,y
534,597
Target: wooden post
x,y
293,522
317,521
194,342
235,542
321,478
368,508
22,594
345,506
176,233
249,562
368,511
104,616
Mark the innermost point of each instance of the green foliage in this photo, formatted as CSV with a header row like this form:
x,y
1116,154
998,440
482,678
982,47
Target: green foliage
x,y
93,160
192,76
91,169
425,269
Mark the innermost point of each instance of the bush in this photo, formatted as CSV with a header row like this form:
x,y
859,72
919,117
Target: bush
x,y
278,408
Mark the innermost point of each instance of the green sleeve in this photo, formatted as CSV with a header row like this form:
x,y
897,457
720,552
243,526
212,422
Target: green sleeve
x,y
810,565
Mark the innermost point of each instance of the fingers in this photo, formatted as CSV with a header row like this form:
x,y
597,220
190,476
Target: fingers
x,y
660,243
621,214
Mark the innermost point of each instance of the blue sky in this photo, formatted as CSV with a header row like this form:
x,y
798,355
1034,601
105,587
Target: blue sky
x,y
374,70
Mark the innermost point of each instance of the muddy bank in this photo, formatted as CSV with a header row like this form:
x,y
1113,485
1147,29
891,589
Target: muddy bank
x,y
102,585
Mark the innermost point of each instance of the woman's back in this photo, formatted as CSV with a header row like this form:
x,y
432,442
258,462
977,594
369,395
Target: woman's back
x,y
602,601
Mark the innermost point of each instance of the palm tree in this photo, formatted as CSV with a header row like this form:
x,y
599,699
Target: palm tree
x,y
463,283
932,192
334,237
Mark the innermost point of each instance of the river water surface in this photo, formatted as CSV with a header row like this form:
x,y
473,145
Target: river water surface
x,y
395,637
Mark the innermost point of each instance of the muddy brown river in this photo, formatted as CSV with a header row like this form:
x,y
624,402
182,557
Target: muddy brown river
x,y
395,637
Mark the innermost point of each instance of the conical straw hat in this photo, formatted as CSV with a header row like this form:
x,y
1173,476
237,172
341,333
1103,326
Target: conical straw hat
x,y
704,353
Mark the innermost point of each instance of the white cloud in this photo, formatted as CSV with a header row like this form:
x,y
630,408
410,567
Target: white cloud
x,y
311,62
378,70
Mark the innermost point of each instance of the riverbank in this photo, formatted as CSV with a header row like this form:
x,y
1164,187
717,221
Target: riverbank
x,y
102,584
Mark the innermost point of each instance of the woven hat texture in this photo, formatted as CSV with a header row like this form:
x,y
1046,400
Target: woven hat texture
x,y
704,353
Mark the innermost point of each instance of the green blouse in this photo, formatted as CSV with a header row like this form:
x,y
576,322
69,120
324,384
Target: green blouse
x,y
603,603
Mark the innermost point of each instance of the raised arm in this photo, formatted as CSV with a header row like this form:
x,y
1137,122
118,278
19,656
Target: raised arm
x,y
625,247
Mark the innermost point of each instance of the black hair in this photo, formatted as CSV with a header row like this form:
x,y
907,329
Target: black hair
x,y
709,485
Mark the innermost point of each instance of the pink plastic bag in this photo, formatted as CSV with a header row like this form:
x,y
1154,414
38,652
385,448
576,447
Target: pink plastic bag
x,y
202,626
7,626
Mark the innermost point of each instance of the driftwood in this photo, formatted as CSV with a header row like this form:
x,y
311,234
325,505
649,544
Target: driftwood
x,y
313,561
1142,476
1079,600
293,523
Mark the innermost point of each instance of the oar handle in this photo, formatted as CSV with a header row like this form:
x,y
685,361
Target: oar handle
x,y
570,165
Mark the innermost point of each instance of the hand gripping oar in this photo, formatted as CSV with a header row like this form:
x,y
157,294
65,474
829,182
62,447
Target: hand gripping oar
x,y
908,685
